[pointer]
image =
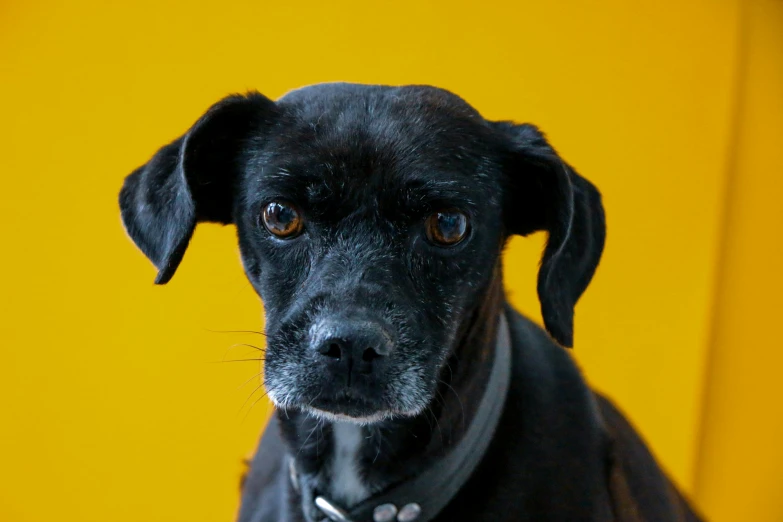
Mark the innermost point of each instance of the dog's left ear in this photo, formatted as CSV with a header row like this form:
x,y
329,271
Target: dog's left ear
x,y
189,180
545,193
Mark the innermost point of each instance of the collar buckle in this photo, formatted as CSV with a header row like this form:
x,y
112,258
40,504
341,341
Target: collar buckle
x,y
331,511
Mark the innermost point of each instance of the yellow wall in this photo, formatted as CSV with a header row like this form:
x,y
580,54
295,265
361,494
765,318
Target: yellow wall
x,y
111,404
740,465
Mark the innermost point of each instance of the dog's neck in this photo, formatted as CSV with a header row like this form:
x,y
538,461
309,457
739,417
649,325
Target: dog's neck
x,y
348,463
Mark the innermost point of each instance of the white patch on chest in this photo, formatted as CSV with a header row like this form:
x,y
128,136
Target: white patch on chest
x,y
345,483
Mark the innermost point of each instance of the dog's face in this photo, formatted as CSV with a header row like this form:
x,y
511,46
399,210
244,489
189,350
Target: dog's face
x,y
367,225
370,221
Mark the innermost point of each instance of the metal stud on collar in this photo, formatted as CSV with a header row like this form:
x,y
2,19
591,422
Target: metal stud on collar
x,y
385,513
409,512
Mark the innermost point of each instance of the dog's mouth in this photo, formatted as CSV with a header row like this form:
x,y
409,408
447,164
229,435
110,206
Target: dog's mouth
x,y
348,405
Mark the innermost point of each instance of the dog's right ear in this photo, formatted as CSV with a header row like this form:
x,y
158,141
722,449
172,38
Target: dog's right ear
x,y
190,180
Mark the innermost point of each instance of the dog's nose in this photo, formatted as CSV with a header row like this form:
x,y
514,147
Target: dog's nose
x,y
353,345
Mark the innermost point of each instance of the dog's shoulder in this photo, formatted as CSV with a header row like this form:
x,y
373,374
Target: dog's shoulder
x,y
640,490
542,367
548,392
265,487
578,436
549,435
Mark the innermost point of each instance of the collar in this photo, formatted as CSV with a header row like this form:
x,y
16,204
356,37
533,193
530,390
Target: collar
x,y
421,498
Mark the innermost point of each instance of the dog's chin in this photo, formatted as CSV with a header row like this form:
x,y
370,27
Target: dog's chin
x,y
348,407
361,420
359,404
354,410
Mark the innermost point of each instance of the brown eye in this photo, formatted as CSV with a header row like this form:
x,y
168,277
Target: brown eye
x,y
282,219
446,228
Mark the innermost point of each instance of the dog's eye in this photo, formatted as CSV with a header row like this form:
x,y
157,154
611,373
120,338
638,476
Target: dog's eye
x,y
282,219
446,228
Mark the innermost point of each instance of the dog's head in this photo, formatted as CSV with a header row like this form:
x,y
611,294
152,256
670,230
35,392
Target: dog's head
x,y
370,221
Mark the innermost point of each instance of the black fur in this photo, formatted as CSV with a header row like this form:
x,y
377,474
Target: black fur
x,y
366,165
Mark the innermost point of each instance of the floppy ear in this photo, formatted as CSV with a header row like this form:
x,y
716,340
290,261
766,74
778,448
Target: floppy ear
x,y
545,193
190,180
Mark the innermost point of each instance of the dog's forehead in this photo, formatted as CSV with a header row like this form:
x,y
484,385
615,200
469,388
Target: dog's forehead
x,y
416,120
332,99
348,134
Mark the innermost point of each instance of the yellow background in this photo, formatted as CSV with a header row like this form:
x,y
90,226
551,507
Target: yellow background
x,y
113,403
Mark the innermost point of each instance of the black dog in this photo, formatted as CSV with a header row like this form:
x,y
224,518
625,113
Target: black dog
x,y
371,222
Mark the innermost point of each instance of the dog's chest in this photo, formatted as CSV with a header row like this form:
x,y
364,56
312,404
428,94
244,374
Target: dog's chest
x,y
344,481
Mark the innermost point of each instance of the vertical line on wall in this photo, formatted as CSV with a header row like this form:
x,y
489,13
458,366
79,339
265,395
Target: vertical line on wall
x,y
728,209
